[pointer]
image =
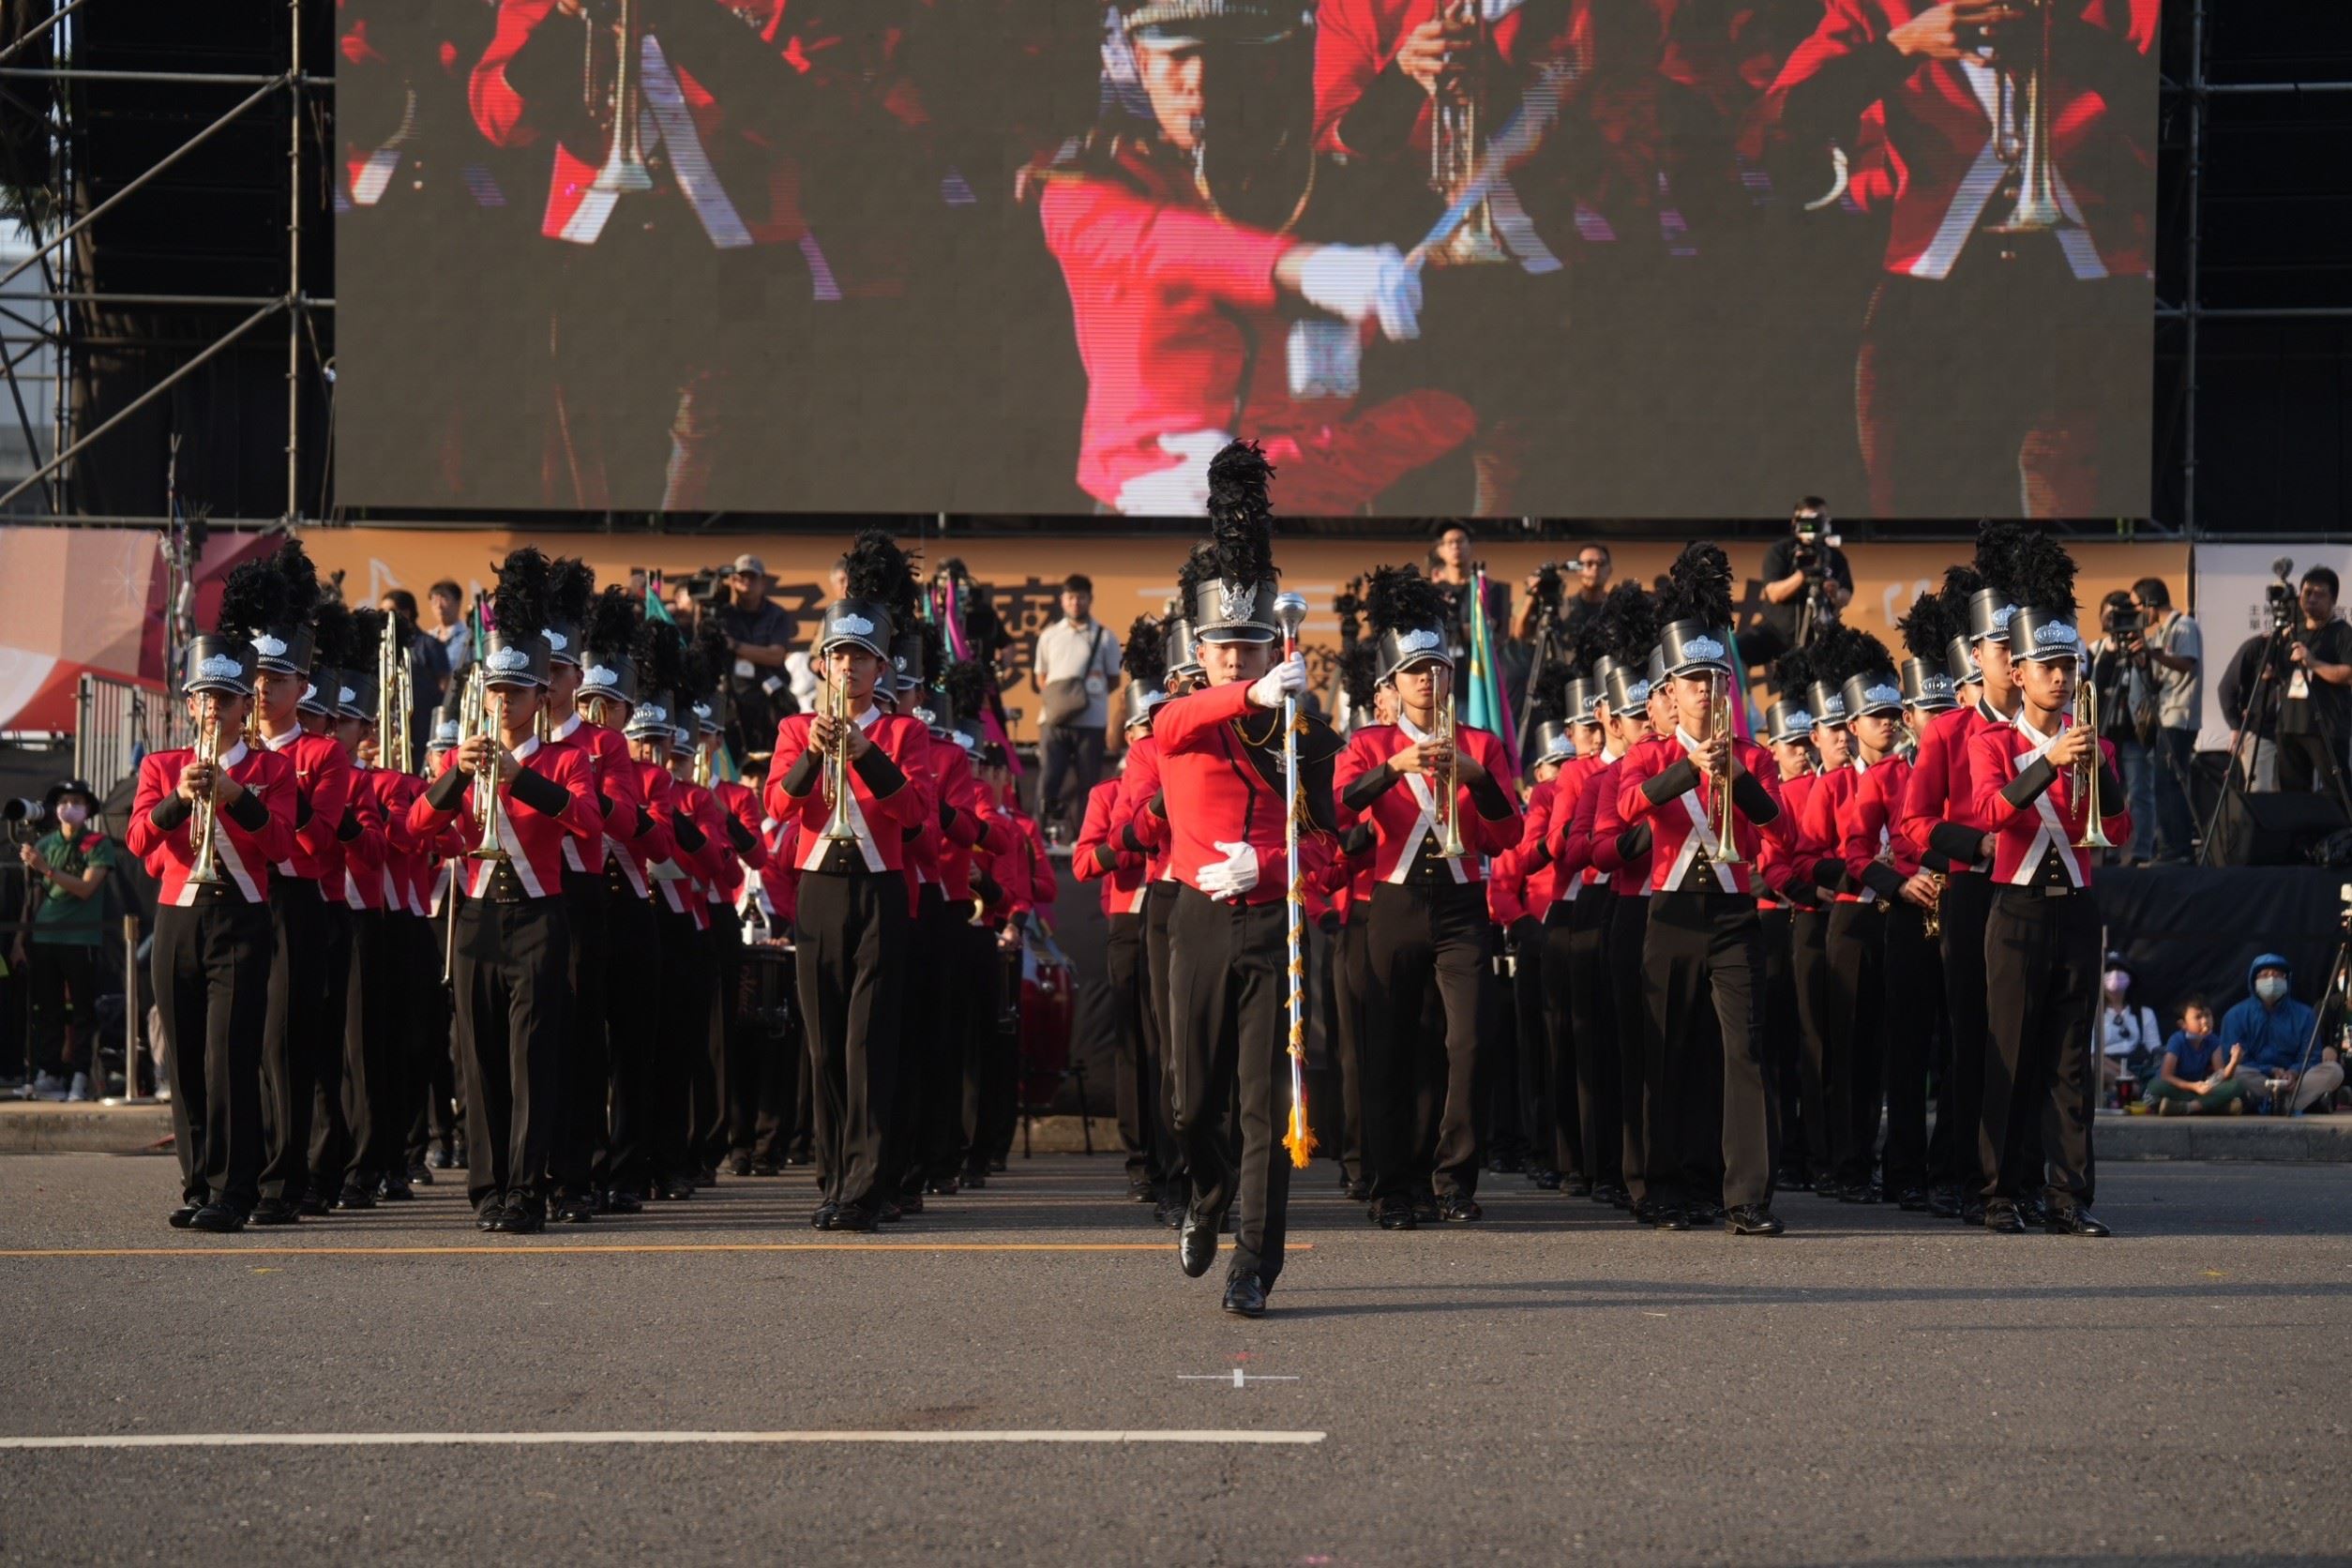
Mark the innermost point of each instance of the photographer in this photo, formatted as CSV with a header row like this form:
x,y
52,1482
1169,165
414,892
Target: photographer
x,y
1807,583
759,636
2316,703
2171,649
1570,610
66,869
2127,712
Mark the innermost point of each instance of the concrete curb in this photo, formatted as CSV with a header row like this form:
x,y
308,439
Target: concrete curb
x,y
37,1127
2275,1139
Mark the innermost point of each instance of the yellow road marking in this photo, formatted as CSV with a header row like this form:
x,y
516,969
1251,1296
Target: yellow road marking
x,y
544,1251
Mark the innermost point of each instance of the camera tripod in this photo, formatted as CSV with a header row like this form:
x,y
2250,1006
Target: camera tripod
x,y
2262,710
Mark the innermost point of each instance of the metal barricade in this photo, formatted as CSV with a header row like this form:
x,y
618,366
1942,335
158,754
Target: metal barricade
x,y
115,724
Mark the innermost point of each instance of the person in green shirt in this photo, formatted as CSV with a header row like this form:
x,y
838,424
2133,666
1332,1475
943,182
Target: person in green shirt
x,y
65,870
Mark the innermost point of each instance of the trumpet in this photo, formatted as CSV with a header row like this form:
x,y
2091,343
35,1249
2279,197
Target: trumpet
x,y
839,829
701,763
474,720
2021,130
2086,786
1448,785
391,749
1931,923
1719,727
203,816
625,171
1456,135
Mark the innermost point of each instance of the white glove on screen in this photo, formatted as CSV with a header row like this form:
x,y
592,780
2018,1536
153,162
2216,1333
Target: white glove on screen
x,y
1233,876
1362,282
1286,679
1180,491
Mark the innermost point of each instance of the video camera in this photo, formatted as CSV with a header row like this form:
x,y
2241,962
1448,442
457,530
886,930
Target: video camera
x,y
1550,584
1814,540
2284,604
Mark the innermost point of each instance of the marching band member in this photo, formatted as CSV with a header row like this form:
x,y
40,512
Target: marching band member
x,y
519,797
972,833
1370,701
1703,936
2038,783
1437,795
1583,1066
854,779
376,1080
1790,914
646,1106
1811,872
1915,970
340,1115
1138,823
1220,771
209,820
435,1139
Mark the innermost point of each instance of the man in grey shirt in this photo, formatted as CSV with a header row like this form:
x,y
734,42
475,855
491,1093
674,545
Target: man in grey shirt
x,y
2169,657
1075,665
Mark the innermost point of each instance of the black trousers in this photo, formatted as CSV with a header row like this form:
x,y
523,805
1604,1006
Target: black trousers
x,y
992,1086
436,1117
1629,935
1426,940
1783,1037
585,1071
1966,906
923,1049
1135,1075
2041,983
1499,1117
304,926
63,972
1538,1092
210,965
1699,966
851,937
332,1136
707,1121
756,1065
635,1008
943,941
376,1075
1591,1005
1229,987
1912,1016
513,991
1817,1017
1351,980
1853,1046
681,1042
1073,763
763,1098
1159,903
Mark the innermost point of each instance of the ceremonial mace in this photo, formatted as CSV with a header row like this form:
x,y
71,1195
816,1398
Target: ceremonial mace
x,y
1290,610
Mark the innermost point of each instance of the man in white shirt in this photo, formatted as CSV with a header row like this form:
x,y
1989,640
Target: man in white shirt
x,y
1075,664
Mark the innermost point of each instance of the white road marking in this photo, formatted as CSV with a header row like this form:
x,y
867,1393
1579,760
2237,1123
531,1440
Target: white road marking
x,y
1240,1379
440,1439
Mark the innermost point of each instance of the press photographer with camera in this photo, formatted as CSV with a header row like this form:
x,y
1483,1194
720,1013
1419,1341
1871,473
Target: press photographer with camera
x,y
2169,648
759,636
1807,582
2127,712
2292,688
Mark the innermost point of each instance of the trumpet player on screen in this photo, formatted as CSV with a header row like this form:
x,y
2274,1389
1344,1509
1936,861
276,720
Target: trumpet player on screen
x,y
2018,236
210,821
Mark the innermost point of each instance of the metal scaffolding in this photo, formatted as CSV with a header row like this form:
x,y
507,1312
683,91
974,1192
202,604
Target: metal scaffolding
x,y
56,237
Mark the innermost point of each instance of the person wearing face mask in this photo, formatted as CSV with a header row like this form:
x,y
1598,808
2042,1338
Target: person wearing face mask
x,y
65,869
2128,1038
2274,1030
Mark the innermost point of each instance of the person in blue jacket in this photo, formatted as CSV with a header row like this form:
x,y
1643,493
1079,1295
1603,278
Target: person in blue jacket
x,y
2275,1031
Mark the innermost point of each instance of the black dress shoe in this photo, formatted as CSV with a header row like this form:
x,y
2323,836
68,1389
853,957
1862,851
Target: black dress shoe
x,y
420,1175
1168,1212
523,1218
1754,1220
889,1212
1861,1191
1244,1297
943,1186
853,1216
314,1207
826,1213
1425,1208
1614,1194
576,1211
272,1211
1576,1186
739,1165
1644,1212
2066,1219
1972,1211
798,1157
1460,1209
974,1176
1828,1189
1394,1214
184,1216
707,1174
766,1168
1544,1180
438,1159
1359,1192
674,1189
1794,1181
1912,1201
2000,1215
397,1190
355,1196
1141,1191
1943,1203
620,1200
1674,1219
911,1202
491,1215
218,1218
1195,1245
2029,1211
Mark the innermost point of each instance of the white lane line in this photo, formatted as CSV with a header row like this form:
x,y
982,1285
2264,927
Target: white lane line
x,y
438,1440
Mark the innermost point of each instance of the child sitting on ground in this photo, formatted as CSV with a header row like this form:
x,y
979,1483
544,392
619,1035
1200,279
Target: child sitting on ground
x,y
2193,1077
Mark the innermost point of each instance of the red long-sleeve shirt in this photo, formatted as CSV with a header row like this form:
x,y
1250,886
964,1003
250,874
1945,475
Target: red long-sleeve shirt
x,y
1658,785
1217,794
247,839
1098,859
899,764
532,837
1403,811
2033,809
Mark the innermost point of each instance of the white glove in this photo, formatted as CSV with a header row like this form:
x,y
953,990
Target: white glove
x,y
1180,491
1361,283
1286,679
1233,876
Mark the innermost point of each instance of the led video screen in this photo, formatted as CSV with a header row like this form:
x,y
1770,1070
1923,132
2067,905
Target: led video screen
x,y
1668,259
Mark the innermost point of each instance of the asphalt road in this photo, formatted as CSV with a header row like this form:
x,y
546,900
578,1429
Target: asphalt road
x,y
1552,1385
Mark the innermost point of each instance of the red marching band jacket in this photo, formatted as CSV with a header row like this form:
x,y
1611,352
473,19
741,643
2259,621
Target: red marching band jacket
x,y
747,849
1216,797
1939,818
1583,785
619,793
1403,815
532,833
2032,810
1879,859
1098,859
322,789
899,764
247,840
966,818
1791,860
1658,785
694,814
1139,817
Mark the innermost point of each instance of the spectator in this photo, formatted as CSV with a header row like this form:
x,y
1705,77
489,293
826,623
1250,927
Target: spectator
x,y
1592,586
65,870
428,673
1807,581
1076,662
2173,649
2317,702
2190,1079
2127,707
450,628
2128,1035
2272,1031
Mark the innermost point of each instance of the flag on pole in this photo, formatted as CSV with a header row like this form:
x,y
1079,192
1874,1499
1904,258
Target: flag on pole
x,y
1486,708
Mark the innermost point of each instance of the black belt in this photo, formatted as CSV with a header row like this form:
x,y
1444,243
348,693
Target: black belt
x,y
845,860
224,892
503,886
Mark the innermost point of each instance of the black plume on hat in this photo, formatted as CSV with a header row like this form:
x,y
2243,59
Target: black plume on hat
x,y
1960,585
1794,672
1240,515
1358,670
1198,568
252,599
1997,548
1399,598
520,603
610,625
878,570
367,631
1547,695
1628,623
1839,651
571,582
659,654
1145,656
1929,629
966,684
710,652
1698,586
2042,577
301,574
332,641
